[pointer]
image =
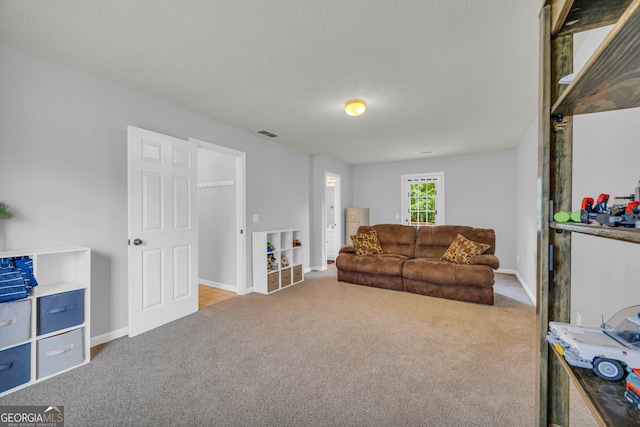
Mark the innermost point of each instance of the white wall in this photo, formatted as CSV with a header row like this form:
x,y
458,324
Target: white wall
x,y
527,209
63,169
605,273
480,191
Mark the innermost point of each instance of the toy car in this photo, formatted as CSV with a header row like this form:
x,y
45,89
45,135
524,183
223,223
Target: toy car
x,y
607,350
632,388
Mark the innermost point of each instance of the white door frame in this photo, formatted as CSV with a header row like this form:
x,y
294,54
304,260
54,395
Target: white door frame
x,y
338,197
241,207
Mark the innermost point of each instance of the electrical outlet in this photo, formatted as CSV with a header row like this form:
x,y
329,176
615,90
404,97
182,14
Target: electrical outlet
x,y
578,319
256,218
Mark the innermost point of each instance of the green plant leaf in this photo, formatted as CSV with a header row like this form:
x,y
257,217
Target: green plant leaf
x,y
4,211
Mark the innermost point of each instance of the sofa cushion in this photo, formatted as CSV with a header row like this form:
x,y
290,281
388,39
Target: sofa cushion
x,y
380,264
462,250
394,238
366,243
432,242
447,273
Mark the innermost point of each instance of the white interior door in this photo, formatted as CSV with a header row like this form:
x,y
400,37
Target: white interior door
x,y
163,229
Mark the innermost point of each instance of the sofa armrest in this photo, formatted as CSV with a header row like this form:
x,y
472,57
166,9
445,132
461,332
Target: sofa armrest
x,y
349,249
486,259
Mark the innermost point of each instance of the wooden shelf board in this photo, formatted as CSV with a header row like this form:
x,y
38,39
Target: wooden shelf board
x,y
571,17
618,233
609,80
604,398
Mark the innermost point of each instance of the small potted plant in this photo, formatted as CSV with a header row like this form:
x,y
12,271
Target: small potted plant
x,y
4,214
4,211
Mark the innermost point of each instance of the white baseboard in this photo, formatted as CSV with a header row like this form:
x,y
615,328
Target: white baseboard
x,y
218,285
109,336
531,296
521,281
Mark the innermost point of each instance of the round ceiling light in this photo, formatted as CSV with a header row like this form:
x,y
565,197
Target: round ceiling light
x,y
355,107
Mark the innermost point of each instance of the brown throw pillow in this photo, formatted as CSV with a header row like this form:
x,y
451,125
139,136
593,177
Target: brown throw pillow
x,y
367,243
462,250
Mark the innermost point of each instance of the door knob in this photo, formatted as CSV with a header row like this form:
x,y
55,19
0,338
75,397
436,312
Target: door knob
x,y
137,242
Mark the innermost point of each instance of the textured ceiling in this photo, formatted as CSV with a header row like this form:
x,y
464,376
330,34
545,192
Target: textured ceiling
x,y
440,76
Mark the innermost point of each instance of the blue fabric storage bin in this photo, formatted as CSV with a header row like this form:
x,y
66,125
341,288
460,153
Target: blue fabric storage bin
x,y
15,322
15,366
60,311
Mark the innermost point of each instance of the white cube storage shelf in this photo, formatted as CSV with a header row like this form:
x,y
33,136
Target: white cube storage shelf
x,y
47,333
267,280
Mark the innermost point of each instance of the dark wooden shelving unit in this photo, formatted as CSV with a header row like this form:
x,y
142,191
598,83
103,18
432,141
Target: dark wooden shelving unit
x,y
605,398
610,80
625,234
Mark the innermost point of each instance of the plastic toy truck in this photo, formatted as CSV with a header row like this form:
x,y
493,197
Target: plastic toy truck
x,y
609,350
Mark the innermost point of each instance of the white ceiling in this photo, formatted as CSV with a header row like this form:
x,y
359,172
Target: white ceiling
x,y
440,76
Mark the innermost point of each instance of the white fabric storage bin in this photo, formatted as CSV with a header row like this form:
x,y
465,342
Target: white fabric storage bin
x,y
15,322
60,352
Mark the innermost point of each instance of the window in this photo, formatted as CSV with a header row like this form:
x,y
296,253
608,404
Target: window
x,y
423,199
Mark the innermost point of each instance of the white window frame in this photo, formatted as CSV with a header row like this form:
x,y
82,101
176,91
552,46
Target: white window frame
x,y
406,180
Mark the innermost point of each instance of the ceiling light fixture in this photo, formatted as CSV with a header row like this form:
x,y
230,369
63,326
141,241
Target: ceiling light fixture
x,y
355,107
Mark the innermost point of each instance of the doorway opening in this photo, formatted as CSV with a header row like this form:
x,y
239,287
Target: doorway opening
x,y
221,208
332,219
209,295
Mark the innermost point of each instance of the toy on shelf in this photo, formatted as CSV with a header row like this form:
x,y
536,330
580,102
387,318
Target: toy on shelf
x,y
271,263
284,261
296,243
608,350
270,247
563,216
632,388
625,214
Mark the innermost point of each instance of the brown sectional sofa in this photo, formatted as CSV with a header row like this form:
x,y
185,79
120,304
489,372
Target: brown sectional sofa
x,y
411,262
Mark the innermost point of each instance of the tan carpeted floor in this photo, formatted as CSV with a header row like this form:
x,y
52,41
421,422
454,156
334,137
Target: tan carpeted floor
x,y
320,353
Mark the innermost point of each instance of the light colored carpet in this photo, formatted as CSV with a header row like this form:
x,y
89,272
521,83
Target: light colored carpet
x,y
320,353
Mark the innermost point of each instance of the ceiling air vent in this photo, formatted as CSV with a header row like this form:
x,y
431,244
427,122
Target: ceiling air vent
x,y
267,133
